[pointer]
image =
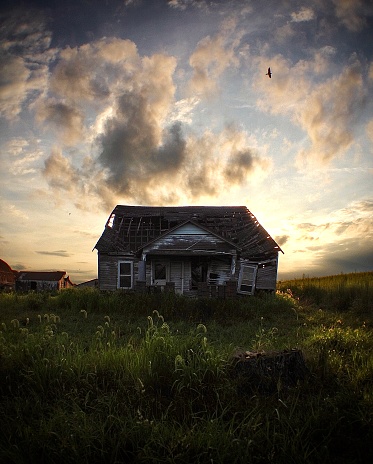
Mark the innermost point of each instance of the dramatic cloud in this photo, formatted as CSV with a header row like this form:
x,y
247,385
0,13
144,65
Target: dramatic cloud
x,y
143,154
141,167
130,145
167,103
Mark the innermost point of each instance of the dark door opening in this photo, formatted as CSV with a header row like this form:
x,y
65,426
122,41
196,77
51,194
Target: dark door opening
x,y
199,271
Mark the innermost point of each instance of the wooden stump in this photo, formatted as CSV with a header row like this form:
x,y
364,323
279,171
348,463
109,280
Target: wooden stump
x,y
268,372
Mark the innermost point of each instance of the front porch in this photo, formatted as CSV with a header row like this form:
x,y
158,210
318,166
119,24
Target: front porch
x,y
204,289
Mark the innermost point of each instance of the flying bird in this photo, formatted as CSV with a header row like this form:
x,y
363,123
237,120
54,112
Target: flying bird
x,y
269,74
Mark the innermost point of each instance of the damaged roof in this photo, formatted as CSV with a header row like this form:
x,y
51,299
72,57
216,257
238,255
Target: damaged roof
x,y
130,228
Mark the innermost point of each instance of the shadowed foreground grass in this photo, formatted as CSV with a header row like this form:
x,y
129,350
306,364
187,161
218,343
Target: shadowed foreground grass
x,y
114,378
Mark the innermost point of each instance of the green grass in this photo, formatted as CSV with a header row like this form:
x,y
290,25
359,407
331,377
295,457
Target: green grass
x,y
119,378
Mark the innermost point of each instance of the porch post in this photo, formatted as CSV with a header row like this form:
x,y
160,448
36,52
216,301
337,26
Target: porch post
x,y
233,266
142,268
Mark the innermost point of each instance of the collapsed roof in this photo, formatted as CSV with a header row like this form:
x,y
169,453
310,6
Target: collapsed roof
x,y
129,228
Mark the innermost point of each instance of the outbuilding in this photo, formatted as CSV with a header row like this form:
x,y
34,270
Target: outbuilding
x,y
39,281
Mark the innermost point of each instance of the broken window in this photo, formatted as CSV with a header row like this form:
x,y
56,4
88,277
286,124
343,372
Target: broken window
x,y
125,274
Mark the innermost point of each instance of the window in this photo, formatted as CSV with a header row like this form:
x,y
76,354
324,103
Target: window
x,y
246,279
125,274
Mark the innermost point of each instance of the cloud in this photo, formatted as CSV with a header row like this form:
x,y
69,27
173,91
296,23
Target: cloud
x,y
326,110
24,55
304,14
17,213
282,239
140,151
13,86
92,72
183,110
369,130
67,121
212,56
60,173
347,255
330,114
351,13
137,165
341,242
16,146
62,253
184,4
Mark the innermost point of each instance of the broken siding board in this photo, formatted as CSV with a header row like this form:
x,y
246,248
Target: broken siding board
x,y
219,272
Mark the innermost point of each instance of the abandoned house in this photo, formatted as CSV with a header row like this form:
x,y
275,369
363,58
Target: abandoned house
x,y
193,250
39,281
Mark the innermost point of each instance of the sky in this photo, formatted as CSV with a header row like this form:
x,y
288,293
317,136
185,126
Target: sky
x,y
167,102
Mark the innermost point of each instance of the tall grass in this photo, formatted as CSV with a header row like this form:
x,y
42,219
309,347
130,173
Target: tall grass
x,y
340,292
106,377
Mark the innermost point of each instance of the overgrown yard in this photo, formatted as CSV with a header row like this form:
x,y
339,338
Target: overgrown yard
x,y
90,377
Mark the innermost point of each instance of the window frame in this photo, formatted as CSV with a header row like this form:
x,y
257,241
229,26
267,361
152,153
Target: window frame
x,y
241,280
130,274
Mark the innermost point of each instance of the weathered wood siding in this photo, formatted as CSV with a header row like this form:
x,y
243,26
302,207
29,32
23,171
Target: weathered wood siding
x,y
108,270
219,271
266,277
176,275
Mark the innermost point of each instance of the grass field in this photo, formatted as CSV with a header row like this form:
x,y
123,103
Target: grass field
x,y
90,377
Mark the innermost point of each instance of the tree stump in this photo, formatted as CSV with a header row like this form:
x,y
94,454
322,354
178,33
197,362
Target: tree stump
x,y
268,372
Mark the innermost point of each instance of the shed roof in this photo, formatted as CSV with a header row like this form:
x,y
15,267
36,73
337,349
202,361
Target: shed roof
x,y
53,276
130,228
